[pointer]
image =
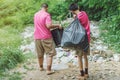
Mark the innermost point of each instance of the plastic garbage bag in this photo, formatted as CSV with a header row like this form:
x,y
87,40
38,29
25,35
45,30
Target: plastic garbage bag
x,y
57,35
75,36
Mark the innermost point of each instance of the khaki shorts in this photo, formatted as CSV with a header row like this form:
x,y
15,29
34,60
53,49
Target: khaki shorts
x,y
45,46
80,52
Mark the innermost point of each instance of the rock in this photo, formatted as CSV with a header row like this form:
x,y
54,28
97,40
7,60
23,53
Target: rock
x,y
109,53
28,32
95,57
116,57
100,60
73,77
96,52
90,58
60,54
28,48
60,66
94,30
65,77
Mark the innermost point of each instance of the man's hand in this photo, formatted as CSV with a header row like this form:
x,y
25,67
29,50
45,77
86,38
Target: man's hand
x,y
60,27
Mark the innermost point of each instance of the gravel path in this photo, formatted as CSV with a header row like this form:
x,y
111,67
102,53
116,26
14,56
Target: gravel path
x,y
103,63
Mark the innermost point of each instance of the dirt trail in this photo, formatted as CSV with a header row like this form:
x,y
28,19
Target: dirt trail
x,y
98,71
102,64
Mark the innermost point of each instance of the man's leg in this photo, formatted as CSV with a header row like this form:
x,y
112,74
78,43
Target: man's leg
x,y
49,64
86,64
80,62
40,53
40,60
49,48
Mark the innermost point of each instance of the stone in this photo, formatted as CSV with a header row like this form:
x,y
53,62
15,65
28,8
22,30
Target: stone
x,y
116,57
95,57
60,66
100,60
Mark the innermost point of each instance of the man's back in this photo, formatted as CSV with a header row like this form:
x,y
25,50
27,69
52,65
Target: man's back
x,y
83,18
42,18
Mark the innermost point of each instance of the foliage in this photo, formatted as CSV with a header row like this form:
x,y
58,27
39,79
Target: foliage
x,y
15,76
10,55
21,12
16,13
11,76
110,31
10,58
9,37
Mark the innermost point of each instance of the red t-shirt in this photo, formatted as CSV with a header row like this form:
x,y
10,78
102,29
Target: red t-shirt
x,y
84,20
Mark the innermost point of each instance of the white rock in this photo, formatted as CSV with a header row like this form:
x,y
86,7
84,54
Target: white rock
x,y
59,66
65,59
95,57
60,54
116,57
100,60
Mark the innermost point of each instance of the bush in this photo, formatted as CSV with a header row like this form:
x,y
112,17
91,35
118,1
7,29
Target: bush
x,y
10,41
10,57
110,32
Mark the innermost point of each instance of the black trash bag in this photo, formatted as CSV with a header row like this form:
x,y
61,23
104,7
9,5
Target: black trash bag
x,y
57,36
84,44
75,36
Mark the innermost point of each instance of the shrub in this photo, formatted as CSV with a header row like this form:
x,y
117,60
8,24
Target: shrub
x,y
10,57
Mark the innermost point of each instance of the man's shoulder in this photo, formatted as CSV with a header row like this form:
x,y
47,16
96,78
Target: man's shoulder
x,y
36,13
82,13
43,13
47,14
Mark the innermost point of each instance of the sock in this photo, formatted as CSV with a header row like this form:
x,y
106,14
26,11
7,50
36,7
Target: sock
x,y
82,72
86,70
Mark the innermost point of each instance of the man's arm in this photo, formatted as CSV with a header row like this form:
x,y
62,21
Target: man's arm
x,y
51,26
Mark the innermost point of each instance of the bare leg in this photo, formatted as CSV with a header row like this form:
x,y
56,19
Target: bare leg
x,y
86,64
49,65
85,60
80,62
40,60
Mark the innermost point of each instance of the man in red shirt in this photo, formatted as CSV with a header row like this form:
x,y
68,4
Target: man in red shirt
x,y
83,18
43,37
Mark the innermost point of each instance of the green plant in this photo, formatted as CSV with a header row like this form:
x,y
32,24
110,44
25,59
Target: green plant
x,y
10,57
15,76
110,32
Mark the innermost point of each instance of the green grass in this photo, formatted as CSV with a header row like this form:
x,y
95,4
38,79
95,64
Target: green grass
x,y
10,54
13,76
110,32
9,37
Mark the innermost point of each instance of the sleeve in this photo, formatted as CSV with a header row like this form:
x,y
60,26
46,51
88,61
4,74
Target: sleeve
x,y
48,20
83,18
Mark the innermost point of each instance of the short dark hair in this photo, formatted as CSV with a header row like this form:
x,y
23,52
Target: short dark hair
x,y
73,7
44,5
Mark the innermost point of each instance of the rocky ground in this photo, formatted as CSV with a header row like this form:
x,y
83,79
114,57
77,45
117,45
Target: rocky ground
x,y
103,62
